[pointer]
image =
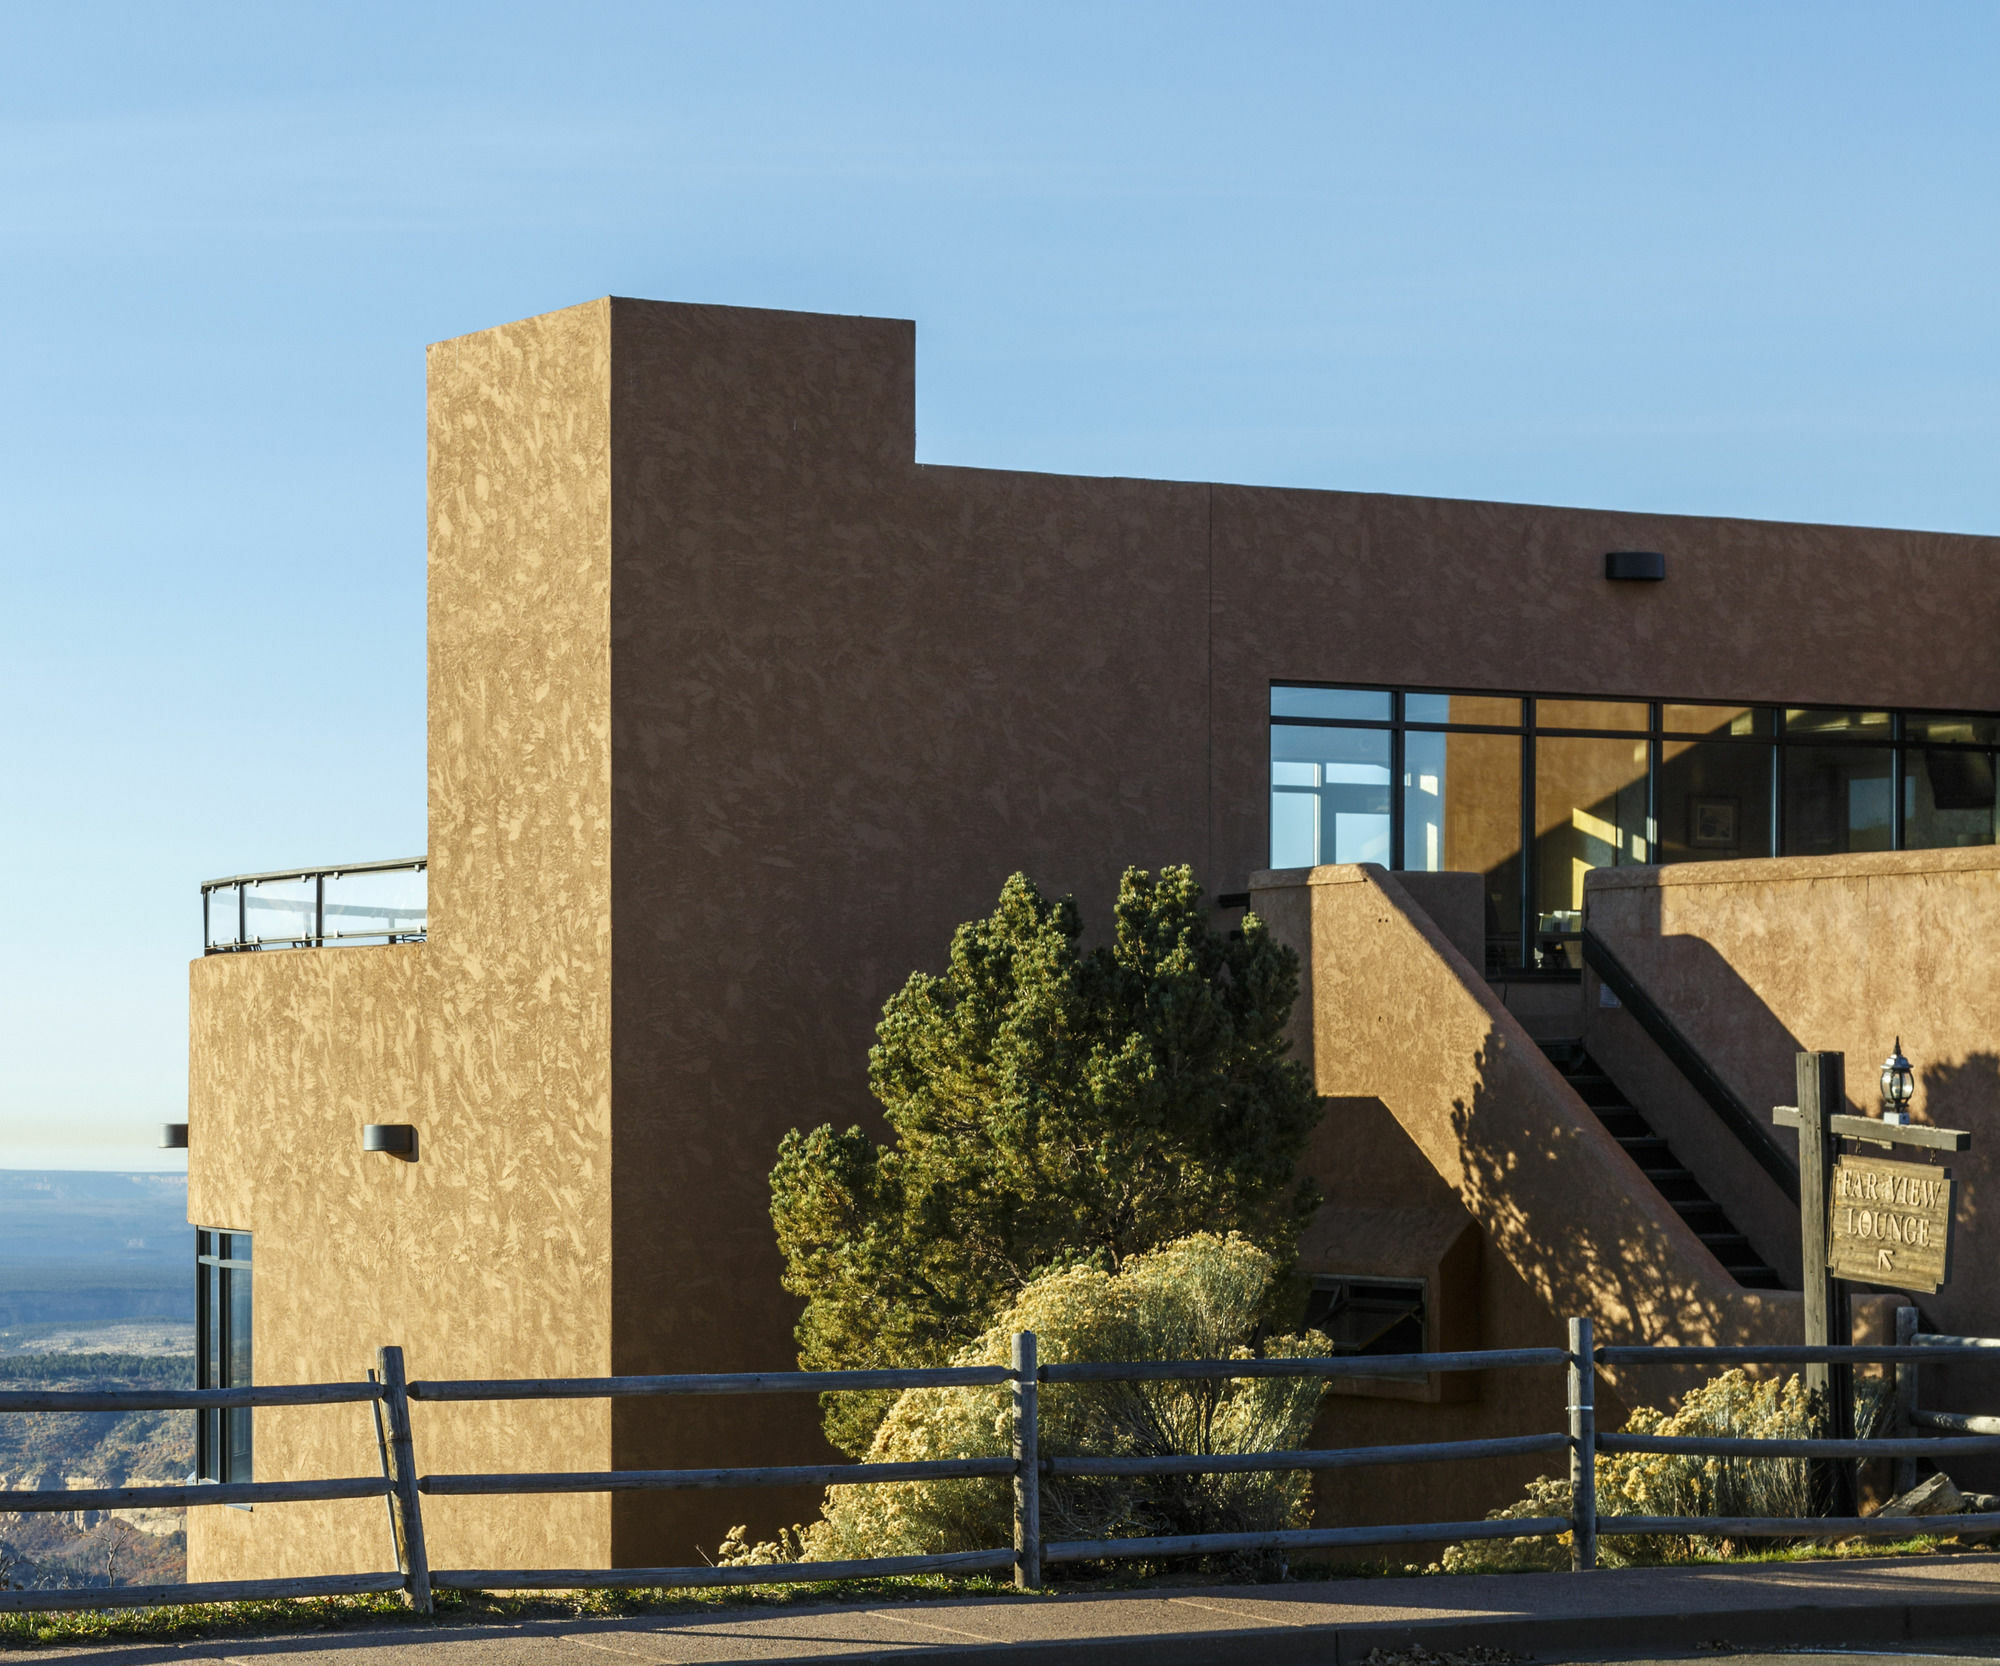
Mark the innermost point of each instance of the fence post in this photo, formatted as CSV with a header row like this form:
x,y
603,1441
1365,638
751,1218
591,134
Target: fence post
x,y
1582,1448
1027,1464
399,1456
1906,1395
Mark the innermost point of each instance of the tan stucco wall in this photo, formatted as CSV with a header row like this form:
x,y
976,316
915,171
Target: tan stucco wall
x,y
491,1253
735,711
1758,961
1399,1017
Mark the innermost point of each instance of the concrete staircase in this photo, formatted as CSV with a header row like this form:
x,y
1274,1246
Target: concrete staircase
x,y
1627,1124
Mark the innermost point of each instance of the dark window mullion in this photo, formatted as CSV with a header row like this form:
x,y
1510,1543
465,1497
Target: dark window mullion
x,y
1655,761
1524,954
1896,830
1396,783
1778,768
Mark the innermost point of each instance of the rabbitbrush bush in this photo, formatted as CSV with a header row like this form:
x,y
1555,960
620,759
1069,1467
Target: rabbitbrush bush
x,y
1734,1405
1197,1298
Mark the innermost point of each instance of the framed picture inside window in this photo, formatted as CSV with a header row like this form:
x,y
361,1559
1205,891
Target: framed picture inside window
x,y
1713,823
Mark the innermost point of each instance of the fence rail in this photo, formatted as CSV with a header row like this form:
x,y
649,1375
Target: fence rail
x,y
389,1396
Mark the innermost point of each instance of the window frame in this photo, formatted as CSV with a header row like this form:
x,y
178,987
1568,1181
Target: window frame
x,y
1774,734
218,1268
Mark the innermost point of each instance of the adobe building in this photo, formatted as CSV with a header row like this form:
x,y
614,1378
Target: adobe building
x,y
736,710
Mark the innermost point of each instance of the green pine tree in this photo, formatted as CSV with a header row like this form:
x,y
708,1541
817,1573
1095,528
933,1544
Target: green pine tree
x,y
1049,1107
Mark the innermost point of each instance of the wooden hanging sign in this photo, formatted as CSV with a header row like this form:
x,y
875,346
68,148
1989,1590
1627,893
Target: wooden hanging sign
x,y
1890,1223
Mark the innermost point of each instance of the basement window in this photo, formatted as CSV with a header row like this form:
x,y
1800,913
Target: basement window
x,y
1368,1315
222,1351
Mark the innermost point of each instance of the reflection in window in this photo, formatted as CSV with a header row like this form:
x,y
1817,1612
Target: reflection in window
x,y
1740,722
1431,781
1948,798
1495,710
1590,812
1837,799
1347,704
1592,714
1845,725
1951,729
1714,801
1329,796
1462,814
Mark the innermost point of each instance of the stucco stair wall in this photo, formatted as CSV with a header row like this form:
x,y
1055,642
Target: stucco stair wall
x,y
1394,1012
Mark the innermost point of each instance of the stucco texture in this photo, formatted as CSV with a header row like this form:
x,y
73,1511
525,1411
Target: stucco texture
x,y
490,1254
1759,961
736,710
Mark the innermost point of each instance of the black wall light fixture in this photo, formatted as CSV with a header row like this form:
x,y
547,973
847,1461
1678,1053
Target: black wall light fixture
x,y
399,1139
173,1136
1644,566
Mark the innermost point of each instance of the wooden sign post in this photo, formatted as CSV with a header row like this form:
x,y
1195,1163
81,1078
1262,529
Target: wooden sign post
x,y
1822,1084
1862,1218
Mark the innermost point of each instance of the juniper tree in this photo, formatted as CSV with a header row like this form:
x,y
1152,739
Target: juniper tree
x,y
1049,1106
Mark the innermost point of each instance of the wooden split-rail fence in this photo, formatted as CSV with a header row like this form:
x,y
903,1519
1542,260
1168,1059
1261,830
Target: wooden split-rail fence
x,y
1025,1468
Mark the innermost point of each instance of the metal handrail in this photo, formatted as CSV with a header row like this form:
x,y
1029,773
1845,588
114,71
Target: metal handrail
x,y
340,870
1684,1056
399,924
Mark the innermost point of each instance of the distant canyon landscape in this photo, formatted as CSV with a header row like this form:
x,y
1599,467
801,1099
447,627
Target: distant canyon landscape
x,y
96,1291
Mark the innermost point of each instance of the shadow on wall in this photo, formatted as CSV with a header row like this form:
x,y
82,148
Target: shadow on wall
x,y
1962,1095
1577,1218
1710,995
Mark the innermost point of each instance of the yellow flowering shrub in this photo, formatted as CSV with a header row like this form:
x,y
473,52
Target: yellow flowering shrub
x,y
1734,1405
1197,1298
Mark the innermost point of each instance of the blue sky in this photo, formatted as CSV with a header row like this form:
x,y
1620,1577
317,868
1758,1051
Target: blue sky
x,y
1714,258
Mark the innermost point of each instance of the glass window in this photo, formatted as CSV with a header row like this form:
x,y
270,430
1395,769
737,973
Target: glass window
x,y
1716,780
1352,704
1329,796
1592,714
1714,801
1494,710
1836,799
223,1333
1737,721
1368,1315
1590,812
1836,725
1462,814
1951,729
1947,798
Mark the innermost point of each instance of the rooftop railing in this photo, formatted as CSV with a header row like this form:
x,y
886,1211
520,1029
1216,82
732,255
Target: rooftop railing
x,y
312,908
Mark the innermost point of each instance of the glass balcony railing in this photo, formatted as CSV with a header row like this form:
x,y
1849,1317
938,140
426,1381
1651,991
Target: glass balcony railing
x,y
364,902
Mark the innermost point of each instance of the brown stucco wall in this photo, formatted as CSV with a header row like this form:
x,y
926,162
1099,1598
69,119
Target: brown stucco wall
x,y
1757,961
735,711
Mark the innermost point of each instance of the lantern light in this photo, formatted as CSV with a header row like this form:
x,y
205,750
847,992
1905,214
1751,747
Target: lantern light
x,y
1899,1085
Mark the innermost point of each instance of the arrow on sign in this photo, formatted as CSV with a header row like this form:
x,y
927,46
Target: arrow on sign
x,y
1885,1261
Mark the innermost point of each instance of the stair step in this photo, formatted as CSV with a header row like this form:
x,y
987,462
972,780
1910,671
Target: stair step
x,y
1701,1211
1676,1183
1644,1145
